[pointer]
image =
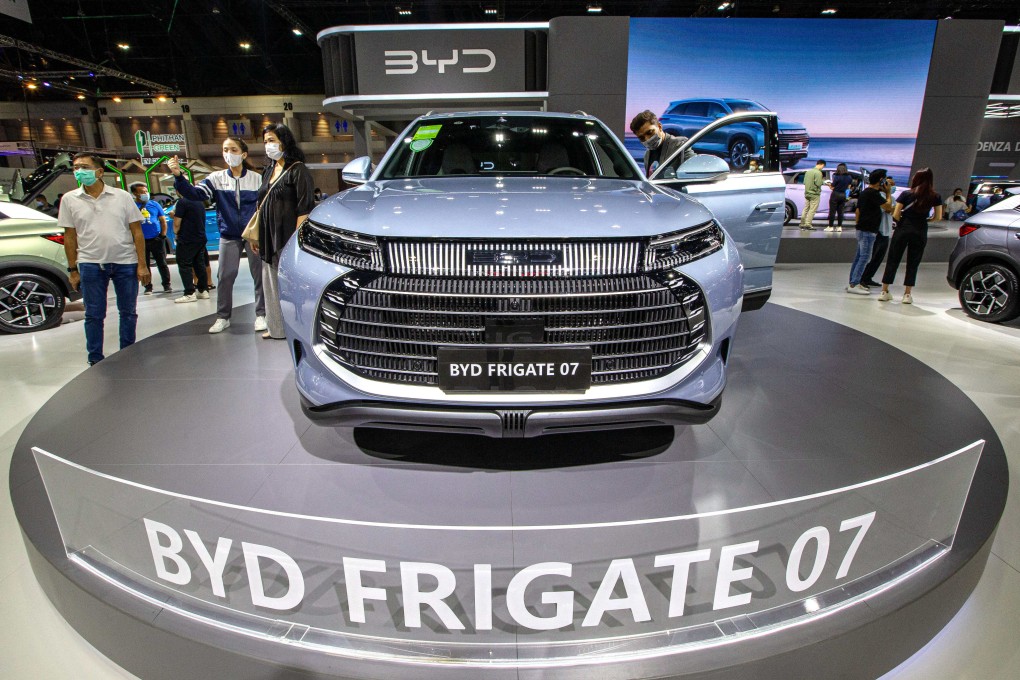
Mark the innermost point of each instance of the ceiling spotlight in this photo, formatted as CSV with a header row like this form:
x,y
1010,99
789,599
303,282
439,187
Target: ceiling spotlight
x,y
491,11
775,9
724,6
81,97
32,86
117,100
403,12
124,46
297,31
829,11
45,84
245,45
161,98
594,8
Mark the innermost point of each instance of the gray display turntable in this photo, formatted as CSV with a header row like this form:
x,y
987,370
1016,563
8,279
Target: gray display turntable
x,y
188,520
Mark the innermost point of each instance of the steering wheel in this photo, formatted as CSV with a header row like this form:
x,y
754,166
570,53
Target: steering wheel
x,y
566,170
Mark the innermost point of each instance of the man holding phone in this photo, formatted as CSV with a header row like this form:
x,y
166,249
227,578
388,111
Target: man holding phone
x,y
874,199
103,242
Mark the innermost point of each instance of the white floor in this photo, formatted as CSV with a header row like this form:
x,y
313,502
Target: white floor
x,y
982,359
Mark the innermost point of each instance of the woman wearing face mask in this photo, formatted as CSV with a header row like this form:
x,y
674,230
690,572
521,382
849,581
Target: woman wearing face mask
x,y
235,193
286,198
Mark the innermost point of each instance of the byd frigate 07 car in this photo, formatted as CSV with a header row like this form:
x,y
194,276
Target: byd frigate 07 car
x,y
514,274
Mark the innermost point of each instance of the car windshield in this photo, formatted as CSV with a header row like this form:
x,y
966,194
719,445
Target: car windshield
x,y
507,146
739,106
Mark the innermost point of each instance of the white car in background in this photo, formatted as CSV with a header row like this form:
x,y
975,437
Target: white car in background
x,y
795,194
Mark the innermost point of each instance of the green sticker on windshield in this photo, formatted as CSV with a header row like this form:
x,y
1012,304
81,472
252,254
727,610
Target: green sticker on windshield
x,y
427,132
420,144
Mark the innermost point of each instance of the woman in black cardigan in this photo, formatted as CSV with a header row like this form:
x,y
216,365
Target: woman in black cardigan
x,y
286,198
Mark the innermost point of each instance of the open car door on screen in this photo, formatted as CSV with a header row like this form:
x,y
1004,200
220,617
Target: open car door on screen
x,y
749,203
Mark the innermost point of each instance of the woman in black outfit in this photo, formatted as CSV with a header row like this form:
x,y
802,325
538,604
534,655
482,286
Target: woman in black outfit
x,y
911,233
285,199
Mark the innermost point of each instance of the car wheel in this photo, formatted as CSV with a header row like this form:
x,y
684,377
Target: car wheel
x,y
29,302
990,292
791,213
740,153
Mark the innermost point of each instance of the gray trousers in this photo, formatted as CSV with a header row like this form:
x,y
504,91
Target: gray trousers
x,y
230,260
274,313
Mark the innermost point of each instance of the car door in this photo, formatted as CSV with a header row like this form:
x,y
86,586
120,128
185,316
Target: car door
x,y
750,206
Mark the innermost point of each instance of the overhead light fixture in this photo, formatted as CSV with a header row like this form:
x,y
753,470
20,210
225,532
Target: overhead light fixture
x,y
124,46
297,31
81,97
491,11
829,11
32,86
404,12
161,98
594,8
775,9
117,100
245,45
724,6
45,84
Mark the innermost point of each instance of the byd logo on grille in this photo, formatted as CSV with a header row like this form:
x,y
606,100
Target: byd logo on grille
x,y
512,257
405,62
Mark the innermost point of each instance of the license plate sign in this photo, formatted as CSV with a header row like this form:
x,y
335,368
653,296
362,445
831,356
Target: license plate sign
x,y
514,369
795,146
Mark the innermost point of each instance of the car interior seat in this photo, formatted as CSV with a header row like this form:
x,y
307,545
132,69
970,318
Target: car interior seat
x,y
552,155
457,160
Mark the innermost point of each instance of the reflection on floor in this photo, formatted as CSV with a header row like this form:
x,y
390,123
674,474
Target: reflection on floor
x,y
981,359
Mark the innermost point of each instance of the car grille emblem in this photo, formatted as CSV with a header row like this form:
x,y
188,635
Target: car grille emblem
x,y
515,257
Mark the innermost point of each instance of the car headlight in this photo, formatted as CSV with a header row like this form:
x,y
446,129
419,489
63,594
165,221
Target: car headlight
x,y
357,251
679,248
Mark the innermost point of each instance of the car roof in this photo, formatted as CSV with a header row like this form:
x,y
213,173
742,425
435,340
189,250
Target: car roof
x,y
12,210
507,114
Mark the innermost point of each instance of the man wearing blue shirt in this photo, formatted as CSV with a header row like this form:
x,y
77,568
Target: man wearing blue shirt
x,y
154,231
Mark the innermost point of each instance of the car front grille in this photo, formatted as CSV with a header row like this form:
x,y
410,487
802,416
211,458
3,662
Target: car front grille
x,y
390,328
786,138
535,258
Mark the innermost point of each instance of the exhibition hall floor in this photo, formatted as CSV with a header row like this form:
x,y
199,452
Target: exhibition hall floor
x,y
978,358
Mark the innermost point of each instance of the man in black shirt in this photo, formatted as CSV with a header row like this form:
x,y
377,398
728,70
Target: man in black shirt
x,y
189,225
869,218
659,145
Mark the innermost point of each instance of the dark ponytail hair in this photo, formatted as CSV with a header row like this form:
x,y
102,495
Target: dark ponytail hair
x,y
922,185
291,151
244,149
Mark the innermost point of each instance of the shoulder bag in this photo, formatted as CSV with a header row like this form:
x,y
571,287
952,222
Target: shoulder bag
x,y
251,230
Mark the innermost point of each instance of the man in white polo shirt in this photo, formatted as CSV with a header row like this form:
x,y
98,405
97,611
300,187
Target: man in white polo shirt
x,y
104,242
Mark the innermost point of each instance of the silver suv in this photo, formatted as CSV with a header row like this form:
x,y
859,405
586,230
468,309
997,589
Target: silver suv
x,y
985,264
514,274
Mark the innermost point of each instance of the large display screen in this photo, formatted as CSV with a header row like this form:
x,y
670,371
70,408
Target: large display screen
x,y
847,91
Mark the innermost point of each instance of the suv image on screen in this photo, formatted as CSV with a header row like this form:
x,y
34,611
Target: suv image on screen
x,y
686,116
514,274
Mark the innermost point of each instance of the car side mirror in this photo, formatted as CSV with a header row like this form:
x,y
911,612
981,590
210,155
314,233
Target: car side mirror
x,y
357,171
700,168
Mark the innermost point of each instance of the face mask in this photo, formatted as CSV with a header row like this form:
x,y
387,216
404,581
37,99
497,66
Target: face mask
x,y
85,177
232,159
273,151
653,142
38,204
144,198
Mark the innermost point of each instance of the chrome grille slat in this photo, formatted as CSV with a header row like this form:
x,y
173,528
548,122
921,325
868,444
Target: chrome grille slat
x,y
390,328
450,258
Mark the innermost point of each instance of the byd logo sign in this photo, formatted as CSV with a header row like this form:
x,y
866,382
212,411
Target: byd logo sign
x,y
405,62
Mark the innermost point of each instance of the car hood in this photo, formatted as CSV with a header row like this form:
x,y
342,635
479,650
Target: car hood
x,y
519,208
789,125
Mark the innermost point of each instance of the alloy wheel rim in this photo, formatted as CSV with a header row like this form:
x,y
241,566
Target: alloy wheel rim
x,y
985,293
26,304
739,154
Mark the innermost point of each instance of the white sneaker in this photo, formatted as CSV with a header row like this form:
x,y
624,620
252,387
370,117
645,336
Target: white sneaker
x,y
908,299
148,291
839,228
203,295
829,229
260,324
186,298
220,326
885,296
858,290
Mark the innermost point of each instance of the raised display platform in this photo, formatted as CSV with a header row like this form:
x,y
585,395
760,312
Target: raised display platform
x,y
193,497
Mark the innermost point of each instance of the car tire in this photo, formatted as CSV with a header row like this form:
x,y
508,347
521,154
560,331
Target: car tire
x,y
739,153
790,213
29,302
990,292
